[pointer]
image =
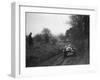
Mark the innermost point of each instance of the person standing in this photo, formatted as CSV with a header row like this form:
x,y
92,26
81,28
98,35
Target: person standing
x,y
30,39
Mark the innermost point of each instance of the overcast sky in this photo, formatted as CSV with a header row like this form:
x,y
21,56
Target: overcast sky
x,y
56,23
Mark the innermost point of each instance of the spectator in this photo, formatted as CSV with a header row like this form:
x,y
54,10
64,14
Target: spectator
x,y
30,39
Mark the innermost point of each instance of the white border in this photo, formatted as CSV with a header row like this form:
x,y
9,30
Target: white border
x,y
20,69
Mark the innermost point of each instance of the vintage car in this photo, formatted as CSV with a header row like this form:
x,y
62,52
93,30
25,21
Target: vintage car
x,y
69,51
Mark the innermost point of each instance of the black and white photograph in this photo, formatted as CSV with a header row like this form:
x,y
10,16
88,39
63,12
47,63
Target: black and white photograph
x,y
56,39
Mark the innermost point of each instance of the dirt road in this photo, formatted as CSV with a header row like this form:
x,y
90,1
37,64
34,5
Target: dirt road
x,y
59,60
